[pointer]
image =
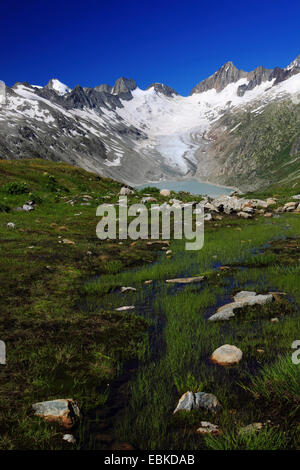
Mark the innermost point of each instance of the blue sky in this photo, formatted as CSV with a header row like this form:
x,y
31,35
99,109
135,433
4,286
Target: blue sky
x,y
174,42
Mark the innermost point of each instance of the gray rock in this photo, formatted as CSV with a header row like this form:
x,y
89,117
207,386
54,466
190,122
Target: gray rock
x,y
251,428
227,355
244,215
125,308
69,438
63,411
242,299
126,191
185,280
127,289
165,192
208,428
193,401
28,207
11,225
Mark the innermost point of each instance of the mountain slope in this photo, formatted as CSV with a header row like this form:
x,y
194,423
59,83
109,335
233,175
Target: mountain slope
x,y
139,135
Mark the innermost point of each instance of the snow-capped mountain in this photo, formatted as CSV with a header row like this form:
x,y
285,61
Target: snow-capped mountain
x,y
139,135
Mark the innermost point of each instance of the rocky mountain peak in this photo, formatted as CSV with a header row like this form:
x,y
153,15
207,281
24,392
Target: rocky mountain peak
x,y
164,89
57,86
294,64
228,73
104,87
123,85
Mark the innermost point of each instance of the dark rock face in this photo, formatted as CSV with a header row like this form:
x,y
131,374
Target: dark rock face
x,y
123,88
228,73
164,89
283,74
256,77
106,88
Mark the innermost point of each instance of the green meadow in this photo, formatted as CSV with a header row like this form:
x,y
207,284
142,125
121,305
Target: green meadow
x,y
61,286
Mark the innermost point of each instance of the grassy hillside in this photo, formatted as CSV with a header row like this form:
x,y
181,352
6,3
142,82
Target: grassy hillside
x,y
261,146
60,287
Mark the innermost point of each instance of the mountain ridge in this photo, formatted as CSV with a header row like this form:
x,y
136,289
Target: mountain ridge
x,y
139,136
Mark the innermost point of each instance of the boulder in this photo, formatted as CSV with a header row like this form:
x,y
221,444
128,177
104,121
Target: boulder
x,y
227,355
207,217
11,225
27,207
271,201
244,215
289,206
208,207
297,197
258,203
193,401
126,191
148,199
165,192
62,411
242,299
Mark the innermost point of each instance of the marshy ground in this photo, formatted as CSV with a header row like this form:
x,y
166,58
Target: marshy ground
x,y
60,287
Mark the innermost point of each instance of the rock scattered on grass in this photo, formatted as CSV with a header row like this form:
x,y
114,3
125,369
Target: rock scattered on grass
x,y
126,307
165,192
242,299
126,191
127,289
69,438
185,280
226,355
11,225
68,242
251,428
208,428
193,401
62,411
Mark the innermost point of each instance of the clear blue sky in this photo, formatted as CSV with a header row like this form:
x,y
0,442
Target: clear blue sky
x,y
174,42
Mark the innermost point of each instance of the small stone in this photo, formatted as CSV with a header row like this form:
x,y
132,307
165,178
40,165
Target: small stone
x,y
268,215
226,355
69,438
27,207
251,428
274,320
125,308
11,225
208,428
165,192
193,401
149,281
185,280
126,191
260,351
244,215
168,252
126,289
68,242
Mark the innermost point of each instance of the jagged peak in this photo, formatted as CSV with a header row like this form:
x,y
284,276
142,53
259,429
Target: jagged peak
x,y
295,63
162,88
57,86
124,85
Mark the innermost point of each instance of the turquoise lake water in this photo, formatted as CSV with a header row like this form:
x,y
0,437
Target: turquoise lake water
x,y
191,186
